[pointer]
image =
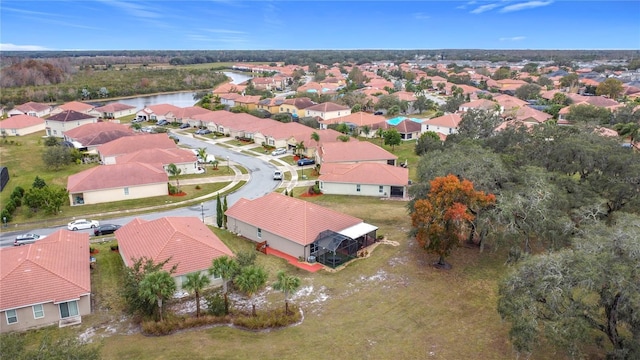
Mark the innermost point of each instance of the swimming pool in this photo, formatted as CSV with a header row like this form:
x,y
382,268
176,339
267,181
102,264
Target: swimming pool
x,y
398,119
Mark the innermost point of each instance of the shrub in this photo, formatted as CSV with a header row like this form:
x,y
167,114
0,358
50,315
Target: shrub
x,y
91,249
215,304
17,193
198,187
246,258
380,237
173,323
172,189
4,214
11,206
269,319
114,247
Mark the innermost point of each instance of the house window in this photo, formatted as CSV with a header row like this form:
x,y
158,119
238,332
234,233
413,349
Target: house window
x,y
68,309
450,130
55,132
126,191
380,189
358,188
313,248
259,233
12,316
38,311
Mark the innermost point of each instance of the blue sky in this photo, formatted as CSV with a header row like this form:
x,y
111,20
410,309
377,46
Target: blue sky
x,y
312,25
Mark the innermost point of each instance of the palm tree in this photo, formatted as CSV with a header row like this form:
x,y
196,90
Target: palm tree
x,y
202,154
249,281
215,163
300,148
315,137
196,282
175,171
136,126
631,130
225,267
380,134
287,284
157,286
366,129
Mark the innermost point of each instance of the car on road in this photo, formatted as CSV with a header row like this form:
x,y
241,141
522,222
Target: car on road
x,y
185,126
203,131
279,151
277,175
82,224
306,161
27,239
105,229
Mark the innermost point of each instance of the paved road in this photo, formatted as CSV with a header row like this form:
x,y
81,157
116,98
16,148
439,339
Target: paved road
x,y
259,182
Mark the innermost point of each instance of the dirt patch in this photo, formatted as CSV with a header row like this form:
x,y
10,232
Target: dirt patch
x,y
181,193
308,195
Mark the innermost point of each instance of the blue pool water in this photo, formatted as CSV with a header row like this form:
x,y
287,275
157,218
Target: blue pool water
x,y
398,119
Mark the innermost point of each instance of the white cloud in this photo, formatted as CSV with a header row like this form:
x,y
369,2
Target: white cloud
x,y
224,31
134,9
13,47
421,16
483,8
525,5
513,38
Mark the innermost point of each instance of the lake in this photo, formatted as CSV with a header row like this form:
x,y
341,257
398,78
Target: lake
x,y
180,99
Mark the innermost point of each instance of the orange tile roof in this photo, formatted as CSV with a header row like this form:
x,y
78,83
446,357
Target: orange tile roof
x,y
76,106
54,269
513,123
32,106
116,176
448,120
359,118
365,173
162,156
20,122
353,151
70,115
527,113
291,218
483,104
327,107
128,144
189,112
186,240
115,107
161,109
229,88
509,102
300,103
87,134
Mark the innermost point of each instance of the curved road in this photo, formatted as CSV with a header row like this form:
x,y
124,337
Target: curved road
x,y
260,183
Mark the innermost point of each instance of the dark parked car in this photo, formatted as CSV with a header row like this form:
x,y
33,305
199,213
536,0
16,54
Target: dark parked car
x,y
105,229
184,125
306,161
378,113
203,132
163,122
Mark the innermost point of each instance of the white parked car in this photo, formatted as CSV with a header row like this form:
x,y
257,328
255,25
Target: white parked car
x,y
279,151
82,224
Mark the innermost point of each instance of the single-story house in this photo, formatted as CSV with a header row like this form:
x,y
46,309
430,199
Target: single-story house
x,y
158,112
327,110
352,152
364,179
358,119
57,124
116,110
129,144
446,124
45,283
107,183
190,244
184,159
76,106
299,228
90,136
18,125
32,109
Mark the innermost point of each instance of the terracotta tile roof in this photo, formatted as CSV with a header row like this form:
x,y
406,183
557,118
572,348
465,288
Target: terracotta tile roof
x,y
70,115
115,107
509,102
408,126
271,102
54,269
482,104
360,118
189,112
353,151
128,144
448,120
327,107
161,109
603,131
528,114
229,88
405,96
20,122
76,106
291,218
116,176
365,173
186,240
32,106
162,156
248,99
98,133
300,103
513,123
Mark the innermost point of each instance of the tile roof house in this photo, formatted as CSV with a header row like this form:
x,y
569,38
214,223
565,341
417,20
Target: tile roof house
x,y
446,124
115,110
92,135
76,106
57,124
327,110
287,135
353,152
45,283
190,244
107,183
527,114
508,102
364,179
247,101
358,119
184,159
480,104
19,125
298,228
296,106
128,144
158,112
272,105
408,129
229,88
32,109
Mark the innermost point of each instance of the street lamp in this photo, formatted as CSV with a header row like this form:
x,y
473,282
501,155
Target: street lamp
x,y
228,165
4,221
202,211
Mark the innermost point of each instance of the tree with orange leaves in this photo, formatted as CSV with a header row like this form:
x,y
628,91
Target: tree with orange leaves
x,y
442,220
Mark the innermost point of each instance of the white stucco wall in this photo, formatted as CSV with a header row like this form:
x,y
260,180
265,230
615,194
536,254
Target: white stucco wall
x,y
118,194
